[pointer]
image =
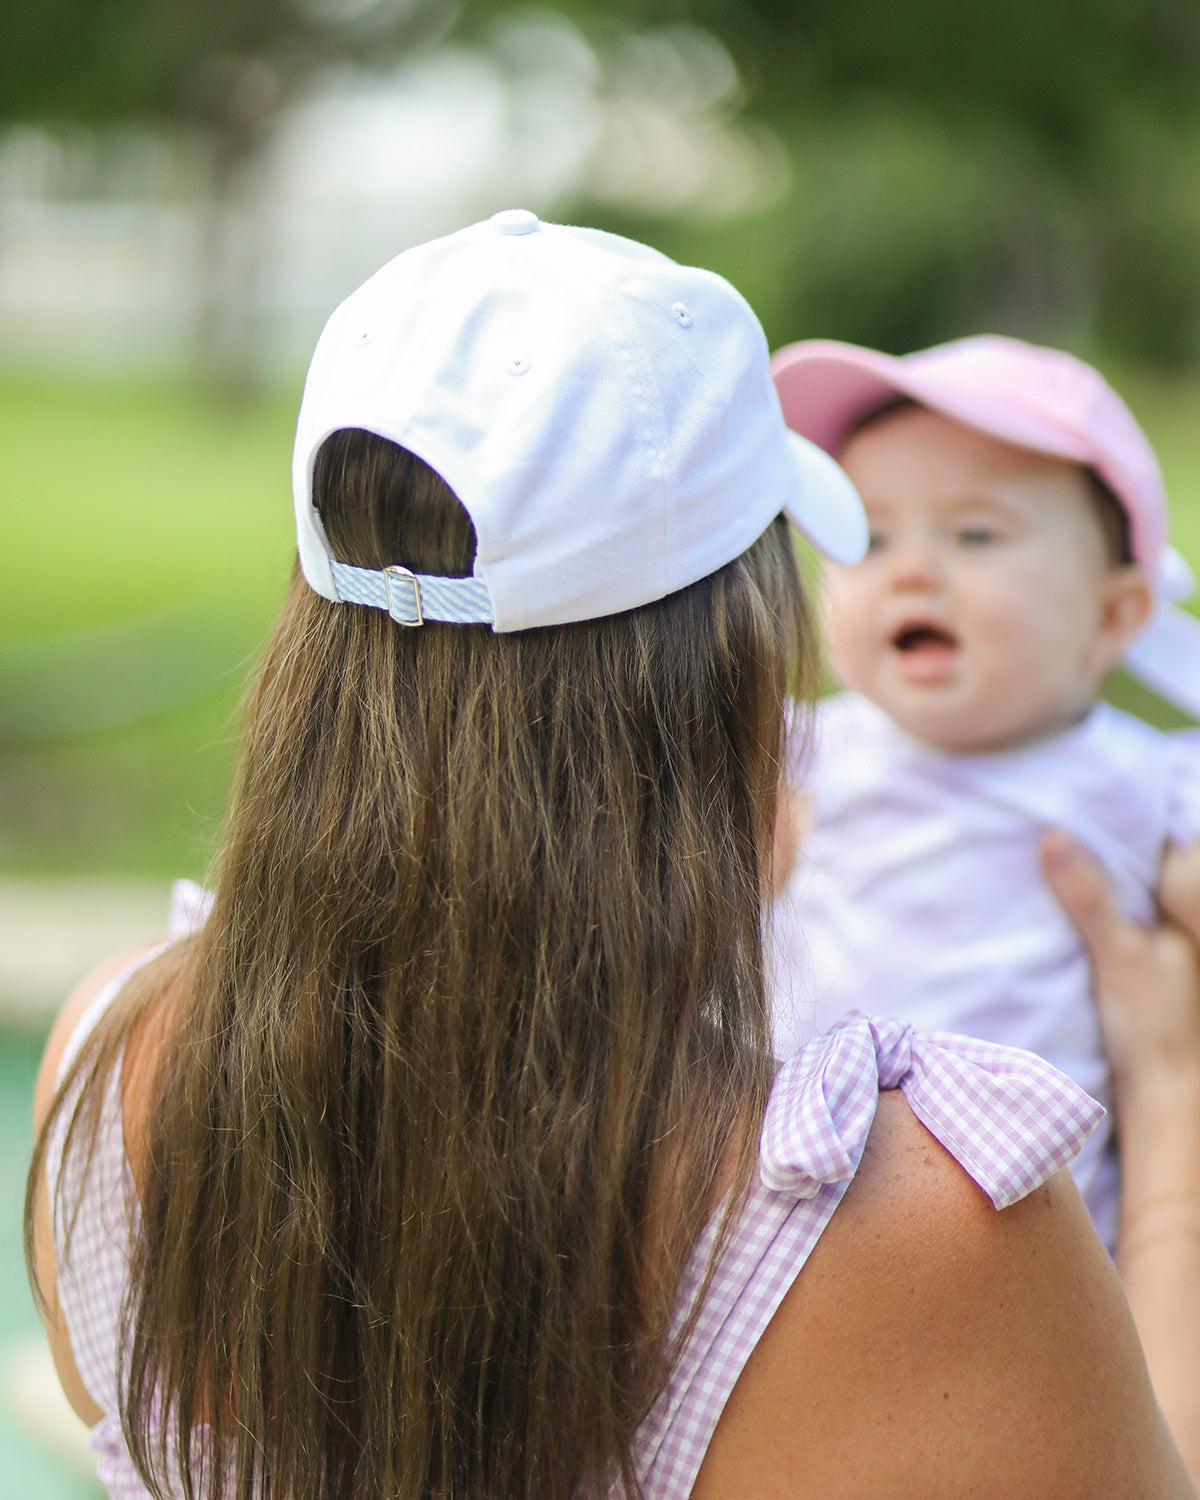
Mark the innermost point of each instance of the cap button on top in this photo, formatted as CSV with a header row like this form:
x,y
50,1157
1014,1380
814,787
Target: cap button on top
x,y
514,221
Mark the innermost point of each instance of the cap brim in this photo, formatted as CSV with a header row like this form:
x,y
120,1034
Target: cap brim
x,y
825,506
825,387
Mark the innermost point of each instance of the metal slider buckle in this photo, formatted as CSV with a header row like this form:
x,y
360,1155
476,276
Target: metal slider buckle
x,y
403,612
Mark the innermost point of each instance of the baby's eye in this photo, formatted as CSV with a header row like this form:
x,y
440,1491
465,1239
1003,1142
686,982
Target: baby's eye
x,y
977,536
876,541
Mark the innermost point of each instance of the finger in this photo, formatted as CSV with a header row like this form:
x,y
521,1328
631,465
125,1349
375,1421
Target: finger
x,y
1082,890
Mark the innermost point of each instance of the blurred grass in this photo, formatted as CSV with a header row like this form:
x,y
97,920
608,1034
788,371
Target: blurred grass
x,y
147,544
125,501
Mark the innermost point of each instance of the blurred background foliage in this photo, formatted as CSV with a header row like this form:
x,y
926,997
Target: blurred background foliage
x,y
889,174
1030,166
1026,165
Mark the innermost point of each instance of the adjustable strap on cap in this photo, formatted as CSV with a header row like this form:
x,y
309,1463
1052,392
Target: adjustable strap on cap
x,y
412,598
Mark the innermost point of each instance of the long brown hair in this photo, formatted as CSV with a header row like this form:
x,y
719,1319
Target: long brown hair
x,y
452,1075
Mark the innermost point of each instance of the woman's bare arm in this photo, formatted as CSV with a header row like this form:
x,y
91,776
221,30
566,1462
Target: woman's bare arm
x,y
933,1348
1147,985
1179,887
43,1239
793,820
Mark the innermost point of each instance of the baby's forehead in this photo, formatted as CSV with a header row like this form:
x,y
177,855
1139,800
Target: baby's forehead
x,y
909,458
905,430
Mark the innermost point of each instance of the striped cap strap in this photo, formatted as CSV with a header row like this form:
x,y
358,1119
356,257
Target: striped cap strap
x,y
412,598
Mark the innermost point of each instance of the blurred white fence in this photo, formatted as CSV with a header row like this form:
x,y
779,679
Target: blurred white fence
x,y
97,283
111,254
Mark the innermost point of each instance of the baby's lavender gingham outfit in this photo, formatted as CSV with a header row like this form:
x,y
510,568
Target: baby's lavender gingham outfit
x,y
921,895
1007,1117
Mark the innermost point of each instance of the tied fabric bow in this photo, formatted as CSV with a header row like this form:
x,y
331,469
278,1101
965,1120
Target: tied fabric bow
x,y
965,1092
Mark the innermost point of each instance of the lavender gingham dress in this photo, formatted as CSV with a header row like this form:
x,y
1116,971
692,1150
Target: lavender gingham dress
x,y
1008,1118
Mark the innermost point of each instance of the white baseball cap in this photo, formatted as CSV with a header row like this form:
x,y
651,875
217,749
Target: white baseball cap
x,y
606,416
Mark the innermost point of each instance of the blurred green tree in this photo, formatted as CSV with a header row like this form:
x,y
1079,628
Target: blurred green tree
x,y
217,70
1027,165
1030,165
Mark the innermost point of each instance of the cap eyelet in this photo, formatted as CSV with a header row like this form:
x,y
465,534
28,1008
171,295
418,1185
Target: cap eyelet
x,y
681,315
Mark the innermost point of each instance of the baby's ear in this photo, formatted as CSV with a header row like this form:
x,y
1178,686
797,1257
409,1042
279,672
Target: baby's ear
x,y
1126,606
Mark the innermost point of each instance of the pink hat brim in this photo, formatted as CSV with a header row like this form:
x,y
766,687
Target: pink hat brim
x,y
825,387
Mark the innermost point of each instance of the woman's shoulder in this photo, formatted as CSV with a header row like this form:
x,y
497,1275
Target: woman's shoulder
x,y
190,905
935,1345
72,1015
1009,1118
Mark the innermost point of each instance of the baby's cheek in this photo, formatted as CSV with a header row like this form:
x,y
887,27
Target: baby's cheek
x,y
1006,616
845,641
847,611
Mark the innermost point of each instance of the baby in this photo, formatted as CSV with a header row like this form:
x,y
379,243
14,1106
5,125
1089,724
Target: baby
x,y
1018,553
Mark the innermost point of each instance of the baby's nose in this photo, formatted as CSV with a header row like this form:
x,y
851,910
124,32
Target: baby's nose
x,y
915,563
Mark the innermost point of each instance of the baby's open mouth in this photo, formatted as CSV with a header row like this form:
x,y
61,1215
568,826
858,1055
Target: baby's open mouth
x,y
922,636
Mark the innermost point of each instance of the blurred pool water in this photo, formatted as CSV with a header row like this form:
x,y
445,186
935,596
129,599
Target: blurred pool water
x,y
29,1470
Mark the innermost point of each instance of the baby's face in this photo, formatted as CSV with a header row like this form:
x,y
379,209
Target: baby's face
x,y
982,615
